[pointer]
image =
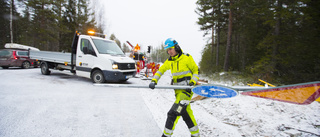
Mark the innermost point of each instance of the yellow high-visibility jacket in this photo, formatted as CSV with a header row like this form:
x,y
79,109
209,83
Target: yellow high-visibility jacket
x,y
183,69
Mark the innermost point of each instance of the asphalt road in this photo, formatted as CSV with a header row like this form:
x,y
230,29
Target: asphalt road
x,y
32,104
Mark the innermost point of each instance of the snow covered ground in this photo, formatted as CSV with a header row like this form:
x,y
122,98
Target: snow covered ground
x,y
32,104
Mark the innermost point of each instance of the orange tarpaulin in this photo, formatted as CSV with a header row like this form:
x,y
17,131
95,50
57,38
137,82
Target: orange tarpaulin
x,y
298,94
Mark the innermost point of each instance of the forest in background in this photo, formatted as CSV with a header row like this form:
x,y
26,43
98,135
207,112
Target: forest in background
x,y
46,24
274,40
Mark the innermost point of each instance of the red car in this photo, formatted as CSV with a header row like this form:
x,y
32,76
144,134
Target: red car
x,y
16,58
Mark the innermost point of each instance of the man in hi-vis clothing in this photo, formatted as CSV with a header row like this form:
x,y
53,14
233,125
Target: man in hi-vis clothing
x,y
184,72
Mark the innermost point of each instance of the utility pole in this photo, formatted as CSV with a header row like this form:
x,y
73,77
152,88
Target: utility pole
x,y
11,31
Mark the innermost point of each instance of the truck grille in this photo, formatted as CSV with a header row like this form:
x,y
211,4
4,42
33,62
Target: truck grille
x,y
125,66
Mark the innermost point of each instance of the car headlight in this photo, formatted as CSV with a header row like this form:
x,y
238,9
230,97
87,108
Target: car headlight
x,y
114,66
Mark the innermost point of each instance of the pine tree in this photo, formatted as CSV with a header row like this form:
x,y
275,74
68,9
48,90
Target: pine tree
x,y
43,24
213,20
228,49
125,48
114,38
58,9
275,40
4,21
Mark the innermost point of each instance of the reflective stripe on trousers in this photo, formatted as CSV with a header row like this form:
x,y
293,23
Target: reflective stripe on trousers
x,y
167,132
194,131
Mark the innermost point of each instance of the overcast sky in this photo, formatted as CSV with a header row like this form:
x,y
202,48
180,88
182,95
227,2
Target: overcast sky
x,y
151,22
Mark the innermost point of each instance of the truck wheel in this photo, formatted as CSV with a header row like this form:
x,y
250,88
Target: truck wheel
x,y
97,77
45,68
26,65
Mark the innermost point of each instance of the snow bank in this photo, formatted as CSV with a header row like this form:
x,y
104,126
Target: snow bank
x,y
238,116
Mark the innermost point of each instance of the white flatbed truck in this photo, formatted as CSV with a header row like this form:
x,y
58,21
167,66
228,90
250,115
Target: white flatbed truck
x,y
93,57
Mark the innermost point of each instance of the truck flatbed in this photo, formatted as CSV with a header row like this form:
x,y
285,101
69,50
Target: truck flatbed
x,y
57,57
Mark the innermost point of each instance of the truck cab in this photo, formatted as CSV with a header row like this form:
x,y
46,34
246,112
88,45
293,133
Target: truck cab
x,y
102,60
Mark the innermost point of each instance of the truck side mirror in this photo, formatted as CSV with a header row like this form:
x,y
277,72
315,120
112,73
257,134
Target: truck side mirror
x,y
85,50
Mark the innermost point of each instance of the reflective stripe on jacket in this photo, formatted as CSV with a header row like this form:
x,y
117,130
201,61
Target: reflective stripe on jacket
x,y
182,67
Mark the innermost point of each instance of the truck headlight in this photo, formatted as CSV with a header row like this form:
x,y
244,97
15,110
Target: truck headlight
x,y
114,66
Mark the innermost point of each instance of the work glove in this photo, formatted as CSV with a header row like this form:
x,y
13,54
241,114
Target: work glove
x,y
152,84
192,83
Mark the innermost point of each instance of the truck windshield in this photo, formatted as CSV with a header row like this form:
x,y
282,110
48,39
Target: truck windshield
x,y
107,47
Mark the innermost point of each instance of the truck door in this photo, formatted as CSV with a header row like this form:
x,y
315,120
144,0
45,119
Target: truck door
x,y
85,58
